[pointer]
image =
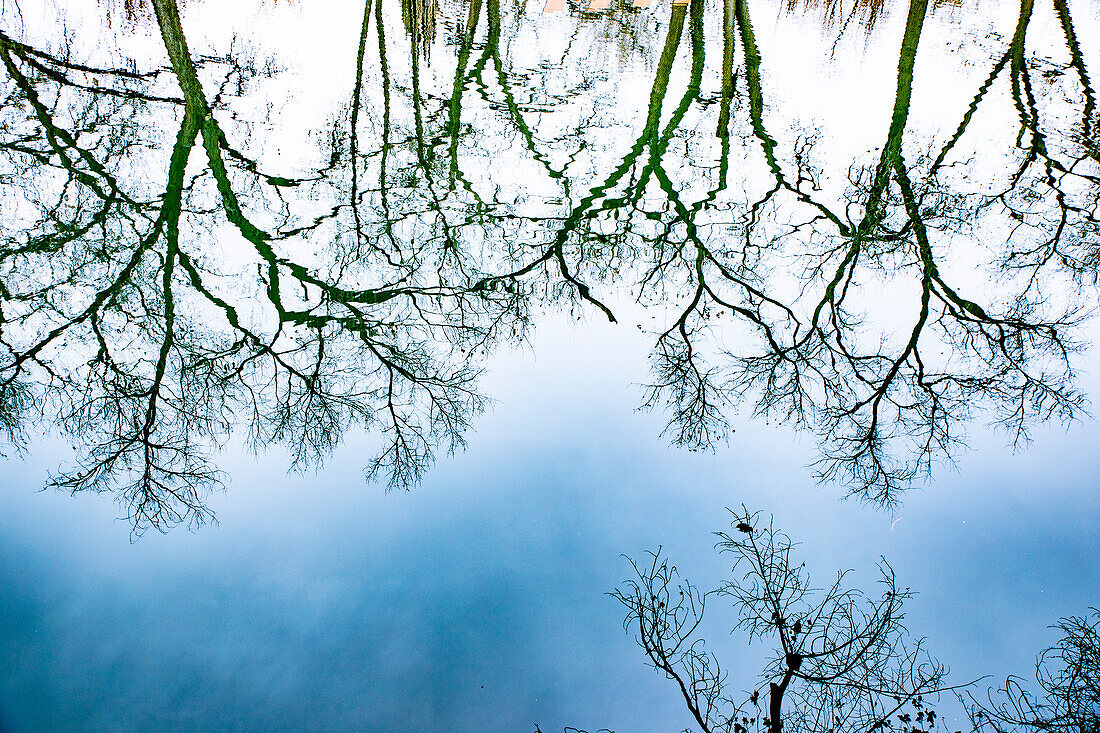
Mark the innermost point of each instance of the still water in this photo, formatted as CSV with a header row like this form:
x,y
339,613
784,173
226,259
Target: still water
x,y
358,347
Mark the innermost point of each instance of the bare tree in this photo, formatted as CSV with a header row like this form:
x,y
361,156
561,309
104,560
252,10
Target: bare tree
x,y
118,324
374,285
841,659
885,407
1068,676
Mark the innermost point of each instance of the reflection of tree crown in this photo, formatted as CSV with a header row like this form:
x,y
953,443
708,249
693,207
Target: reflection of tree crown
x,y
156,297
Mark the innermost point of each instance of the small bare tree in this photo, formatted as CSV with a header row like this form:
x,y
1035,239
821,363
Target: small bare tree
x,y
842,660
1068,674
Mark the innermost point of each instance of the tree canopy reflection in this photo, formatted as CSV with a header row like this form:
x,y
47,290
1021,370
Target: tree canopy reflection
x,y
160,287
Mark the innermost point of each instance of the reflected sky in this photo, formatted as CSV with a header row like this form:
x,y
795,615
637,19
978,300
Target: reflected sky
x,y
319,603
541,197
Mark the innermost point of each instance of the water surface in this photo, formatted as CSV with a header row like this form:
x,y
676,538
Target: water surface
x,y
453,246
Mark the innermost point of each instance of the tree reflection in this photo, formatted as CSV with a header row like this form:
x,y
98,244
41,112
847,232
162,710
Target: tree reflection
x,y
884,409
150,349
1068,674
156,296
841,661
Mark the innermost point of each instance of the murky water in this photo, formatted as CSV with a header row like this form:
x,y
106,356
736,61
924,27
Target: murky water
x,y
831,250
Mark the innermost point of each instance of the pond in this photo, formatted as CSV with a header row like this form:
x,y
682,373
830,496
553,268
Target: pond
x,y
352,352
